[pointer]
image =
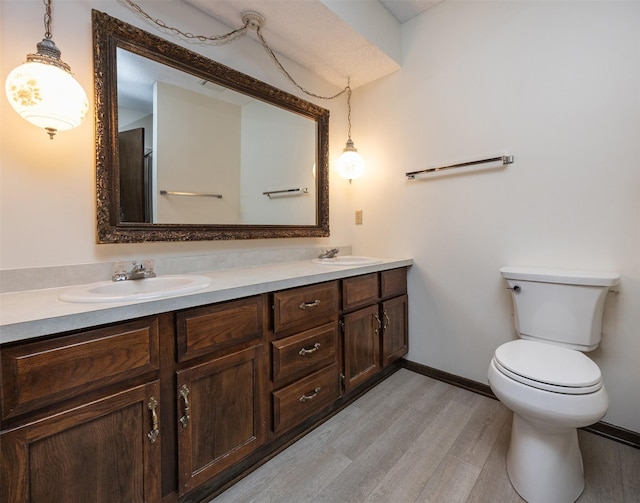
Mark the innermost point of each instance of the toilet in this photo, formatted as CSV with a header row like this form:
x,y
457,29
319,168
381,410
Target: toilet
x,y
548,382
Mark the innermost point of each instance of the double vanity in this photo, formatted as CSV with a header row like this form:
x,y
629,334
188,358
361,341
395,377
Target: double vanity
x,y
173,397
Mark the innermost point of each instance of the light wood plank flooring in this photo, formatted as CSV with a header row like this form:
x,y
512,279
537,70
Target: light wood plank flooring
x,y
415,439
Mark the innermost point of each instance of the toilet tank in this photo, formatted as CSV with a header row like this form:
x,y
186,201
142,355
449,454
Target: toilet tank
x,y
558,306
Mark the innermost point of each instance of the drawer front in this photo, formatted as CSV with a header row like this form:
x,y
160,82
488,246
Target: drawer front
x,y
305,307
304,353
41,373
300,400
213,328
393,282
360,291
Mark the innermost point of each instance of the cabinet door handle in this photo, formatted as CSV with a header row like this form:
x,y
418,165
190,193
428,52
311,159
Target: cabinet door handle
x,y
305,351
309,305
153,434
378,324
184,394
306,398
387,320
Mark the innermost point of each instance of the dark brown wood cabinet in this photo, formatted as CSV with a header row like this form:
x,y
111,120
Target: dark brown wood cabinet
x,y
221,414
81,417
220,386
375,335
305,375
172,407
104,451
395,335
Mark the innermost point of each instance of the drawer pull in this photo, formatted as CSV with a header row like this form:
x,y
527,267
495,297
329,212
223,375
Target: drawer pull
x,y
305,351
184,394
309,305
306,398
376,330
387,321
153,434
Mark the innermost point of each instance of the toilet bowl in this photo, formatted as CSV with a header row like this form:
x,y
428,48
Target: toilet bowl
x,y
544,462
549,384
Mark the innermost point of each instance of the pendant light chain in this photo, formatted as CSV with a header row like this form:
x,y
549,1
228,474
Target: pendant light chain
x,y
288,75
236,33
47,19
202,38
348,89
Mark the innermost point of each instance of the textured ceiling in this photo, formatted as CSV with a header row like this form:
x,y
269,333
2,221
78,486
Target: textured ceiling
x,y
310,33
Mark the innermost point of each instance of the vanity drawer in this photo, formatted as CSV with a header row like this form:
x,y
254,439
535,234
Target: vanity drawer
x,y
300,400
305,307
393,282
360,291
45,372
220,326
303,353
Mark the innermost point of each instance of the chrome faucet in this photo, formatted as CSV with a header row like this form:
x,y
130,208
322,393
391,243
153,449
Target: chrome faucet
x,y
329,253
138,271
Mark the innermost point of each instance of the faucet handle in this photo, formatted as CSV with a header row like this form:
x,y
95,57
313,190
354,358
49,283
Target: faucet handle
x,y
148,264
119,271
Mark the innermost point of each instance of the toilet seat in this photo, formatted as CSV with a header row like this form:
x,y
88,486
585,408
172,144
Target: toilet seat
x,y
547,367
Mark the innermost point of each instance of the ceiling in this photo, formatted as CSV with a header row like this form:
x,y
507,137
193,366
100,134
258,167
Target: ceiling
x,y
335,39
404,10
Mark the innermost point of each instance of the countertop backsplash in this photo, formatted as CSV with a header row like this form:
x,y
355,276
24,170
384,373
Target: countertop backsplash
x,y
17,280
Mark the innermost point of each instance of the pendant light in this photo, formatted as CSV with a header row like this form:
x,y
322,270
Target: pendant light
x,y
43,91
350,164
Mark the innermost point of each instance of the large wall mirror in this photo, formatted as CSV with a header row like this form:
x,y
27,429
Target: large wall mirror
x,y
189,149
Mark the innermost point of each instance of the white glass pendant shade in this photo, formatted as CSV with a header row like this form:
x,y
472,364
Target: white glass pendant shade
x,y
46,96
350,164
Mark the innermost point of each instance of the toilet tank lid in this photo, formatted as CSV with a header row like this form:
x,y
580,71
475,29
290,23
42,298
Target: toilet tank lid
x,y
566,276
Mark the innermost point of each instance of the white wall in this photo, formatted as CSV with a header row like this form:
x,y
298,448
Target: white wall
x,y
556,84
199,158
47,188
263,169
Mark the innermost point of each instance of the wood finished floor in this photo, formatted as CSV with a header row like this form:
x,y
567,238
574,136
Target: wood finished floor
x,y
415,439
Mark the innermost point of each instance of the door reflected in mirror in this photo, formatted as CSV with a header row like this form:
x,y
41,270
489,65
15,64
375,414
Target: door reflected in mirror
x,y
189,149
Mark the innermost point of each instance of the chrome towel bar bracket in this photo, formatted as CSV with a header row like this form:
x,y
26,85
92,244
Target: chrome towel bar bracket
x,y
505,159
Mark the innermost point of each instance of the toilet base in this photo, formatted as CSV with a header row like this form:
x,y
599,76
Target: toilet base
x,y
544,462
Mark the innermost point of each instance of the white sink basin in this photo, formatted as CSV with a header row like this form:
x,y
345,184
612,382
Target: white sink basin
x,y
347,260
134,290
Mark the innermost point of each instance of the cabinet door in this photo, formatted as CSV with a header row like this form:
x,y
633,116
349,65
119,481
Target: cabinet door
x,y
102,452
361,346
221,414
395,343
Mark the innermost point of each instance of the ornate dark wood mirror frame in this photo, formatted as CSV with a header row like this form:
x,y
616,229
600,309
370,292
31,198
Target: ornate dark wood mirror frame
x,y
108,35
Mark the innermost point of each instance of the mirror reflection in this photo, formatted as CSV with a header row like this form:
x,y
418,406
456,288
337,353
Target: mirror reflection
x,y
194,152
189,149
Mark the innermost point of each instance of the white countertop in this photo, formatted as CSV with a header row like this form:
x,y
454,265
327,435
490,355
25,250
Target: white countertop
x,y
34,313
